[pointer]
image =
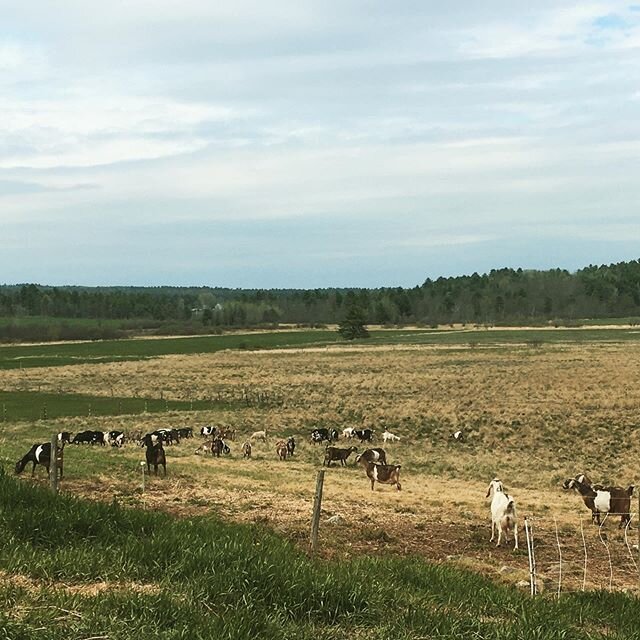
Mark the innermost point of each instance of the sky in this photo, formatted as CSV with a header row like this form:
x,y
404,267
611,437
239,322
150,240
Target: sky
x,y
315,144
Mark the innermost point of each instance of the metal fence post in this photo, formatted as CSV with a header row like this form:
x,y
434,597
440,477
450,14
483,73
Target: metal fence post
x,y
53,464
532,559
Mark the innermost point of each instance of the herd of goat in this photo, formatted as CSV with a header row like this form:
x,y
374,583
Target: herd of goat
x,y
599,499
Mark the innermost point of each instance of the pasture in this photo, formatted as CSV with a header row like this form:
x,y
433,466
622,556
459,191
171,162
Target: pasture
x,y
534,414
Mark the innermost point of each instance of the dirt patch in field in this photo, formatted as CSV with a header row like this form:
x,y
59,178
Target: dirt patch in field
x,y
85,588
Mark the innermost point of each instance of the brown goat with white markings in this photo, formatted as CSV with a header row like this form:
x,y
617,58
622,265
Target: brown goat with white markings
x,y
383,473
281,449
607,500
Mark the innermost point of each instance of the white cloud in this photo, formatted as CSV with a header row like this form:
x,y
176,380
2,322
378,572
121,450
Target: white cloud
x,y
164,113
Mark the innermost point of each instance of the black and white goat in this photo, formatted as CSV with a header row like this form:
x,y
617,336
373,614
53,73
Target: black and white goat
x,y
377,454
364,435
321,434
40,454
599,499
116,438
503,513
90,437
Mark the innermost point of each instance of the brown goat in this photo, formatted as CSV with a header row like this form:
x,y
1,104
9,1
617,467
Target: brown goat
x,y
383,473
282,450
336,453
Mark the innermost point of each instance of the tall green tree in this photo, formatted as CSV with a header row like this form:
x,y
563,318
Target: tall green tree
x,y
353,325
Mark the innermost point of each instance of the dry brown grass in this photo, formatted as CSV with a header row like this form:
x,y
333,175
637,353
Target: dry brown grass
x,y
534,416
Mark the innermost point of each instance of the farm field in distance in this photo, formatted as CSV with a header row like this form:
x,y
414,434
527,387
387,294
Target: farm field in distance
x,y
536,409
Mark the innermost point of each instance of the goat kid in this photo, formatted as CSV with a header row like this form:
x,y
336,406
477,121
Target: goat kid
x,y
503,513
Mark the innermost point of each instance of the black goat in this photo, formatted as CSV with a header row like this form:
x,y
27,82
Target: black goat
x,y
155,453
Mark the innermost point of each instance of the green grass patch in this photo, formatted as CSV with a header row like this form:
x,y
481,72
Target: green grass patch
x,y
32,405
205,578
47,355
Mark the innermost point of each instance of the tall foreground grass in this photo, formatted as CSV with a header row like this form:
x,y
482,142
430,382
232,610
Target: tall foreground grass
x,y
204,578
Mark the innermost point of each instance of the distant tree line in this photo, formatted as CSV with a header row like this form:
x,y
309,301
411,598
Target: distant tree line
x,y
502,296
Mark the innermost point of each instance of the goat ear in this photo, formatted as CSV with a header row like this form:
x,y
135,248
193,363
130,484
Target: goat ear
x,y
489,491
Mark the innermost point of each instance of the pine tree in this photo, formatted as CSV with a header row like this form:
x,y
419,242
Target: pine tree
x,y
353,325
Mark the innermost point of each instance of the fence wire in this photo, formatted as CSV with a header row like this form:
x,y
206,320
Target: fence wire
x,y
577,555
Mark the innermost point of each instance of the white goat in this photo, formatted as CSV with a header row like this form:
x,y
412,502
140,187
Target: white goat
x,y
258,435
387,436
348,432
503,513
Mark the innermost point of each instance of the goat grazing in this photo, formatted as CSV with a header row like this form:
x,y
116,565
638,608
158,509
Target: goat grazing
x,y
503,513
115,438
383,473
607,500
377,454
336,453
203,449
321,433
364,435
40,454
458,435
387,436
258,435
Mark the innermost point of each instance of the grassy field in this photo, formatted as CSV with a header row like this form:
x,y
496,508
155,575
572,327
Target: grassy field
x,y
62,354
29,405
70,568
534,414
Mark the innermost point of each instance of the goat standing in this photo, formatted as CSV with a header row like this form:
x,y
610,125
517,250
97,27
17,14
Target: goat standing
x,y
155,453
503,513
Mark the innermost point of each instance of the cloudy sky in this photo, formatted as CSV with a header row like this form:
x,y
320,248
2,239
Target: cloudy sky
x,y
311,144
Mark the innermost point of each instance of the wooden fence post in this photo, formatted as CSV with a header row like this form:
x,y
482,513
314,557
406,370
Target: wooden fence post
x,y
317,504
53,464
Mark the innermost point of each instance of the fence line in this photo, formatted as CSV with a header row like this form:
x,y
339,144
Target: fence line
x,y
562,549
